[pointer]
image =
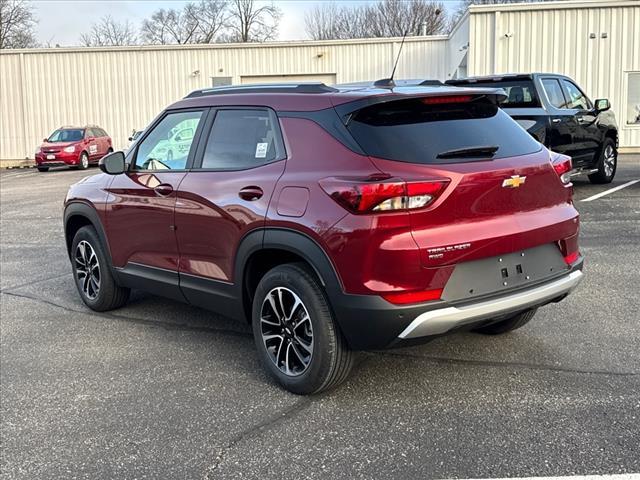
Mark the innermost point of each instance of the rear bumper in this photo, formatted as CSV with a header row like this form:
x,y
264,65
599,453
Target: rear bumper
x,y
437,322
369,322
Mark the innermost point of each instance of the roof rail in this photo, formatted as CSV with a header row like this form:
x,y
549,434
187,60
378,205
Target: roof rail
x,y
264,88
384,83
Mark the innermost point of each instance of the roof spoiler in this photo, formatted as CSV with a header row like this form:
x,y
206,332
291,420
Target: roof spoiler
x,y
495,95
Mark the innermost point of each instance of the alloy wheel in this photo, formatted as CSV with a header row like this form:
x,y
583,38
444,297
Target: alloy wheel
x,y
87,269
287,332
609,160
85,161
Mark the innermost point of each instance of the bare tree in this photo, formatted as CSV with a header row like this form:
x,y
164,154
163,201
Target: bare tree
x,y
195,23
250,23
109,32
213,18
387,18
330,22
169,26
17,23
392,18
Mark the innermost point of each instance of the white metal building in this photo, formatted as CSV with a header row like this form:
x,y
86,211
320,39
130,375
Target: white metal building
x,y
597,42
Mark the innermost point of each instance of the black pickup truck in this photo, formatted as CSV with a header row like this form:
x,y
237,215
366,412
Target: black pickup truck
x,y
557,113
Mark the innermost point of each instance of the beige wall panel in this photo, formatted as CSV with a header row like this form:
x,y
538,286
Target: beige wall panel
x,y
12,122
122,89
326,78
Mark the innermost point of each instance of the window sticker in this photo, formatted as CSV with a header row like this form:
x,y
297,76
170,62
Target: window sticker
x,y
261,150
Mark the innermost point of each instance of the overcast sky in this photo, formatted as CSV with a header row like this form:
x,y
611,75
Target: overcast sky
x,y
62,21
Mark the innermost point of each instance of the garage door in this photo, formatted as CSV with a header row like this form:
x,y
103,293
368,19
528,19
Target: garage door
x,y
326,78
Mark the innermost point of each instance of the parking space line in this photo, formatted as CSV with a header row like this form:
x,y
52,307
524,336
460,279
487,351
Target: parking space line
x,y
628,476
611,190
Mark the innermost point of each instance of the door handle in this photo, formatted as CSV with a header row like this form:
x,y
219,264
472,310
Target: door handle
x,y
164,189
556,120
250,193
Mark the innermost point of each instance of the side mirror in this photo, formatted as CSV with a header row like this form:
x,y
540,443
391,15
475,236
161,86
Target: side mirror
x,y
602,105
131,139
45,140
113,163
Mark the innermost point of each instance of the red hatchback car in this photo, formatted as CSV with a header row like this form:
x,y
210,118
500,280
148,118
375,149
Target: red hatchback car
x,y
77,147
332,219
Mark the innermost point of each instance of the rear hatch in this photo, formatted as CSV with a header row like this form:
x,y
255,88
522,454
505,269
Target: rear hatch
x,y
503,192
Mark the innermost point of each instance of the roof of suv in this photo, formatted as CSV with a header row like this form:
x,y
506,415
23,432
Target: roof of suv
x,y
314,96
77,127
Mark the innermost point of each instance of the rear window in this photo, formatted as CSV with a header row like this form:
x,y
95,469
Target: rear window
x,y
415,132
520,93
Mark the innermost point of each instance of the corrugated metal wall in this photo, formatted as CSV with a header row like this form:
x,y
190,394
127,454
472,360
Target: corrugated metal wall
x,y
556,37
124,88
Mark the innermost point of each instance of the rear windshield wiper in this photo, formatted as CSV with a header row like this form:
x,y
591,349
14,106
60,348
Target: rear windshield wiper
x,y
479,151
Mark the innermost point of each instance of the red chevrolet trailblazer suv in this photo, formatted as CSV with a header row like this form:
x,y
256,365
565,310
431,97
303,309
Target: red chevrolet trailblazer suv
x,y
74,146
332,219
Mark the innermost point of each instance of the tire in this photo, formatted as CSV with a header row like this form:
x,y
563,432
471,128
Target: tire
x,y
607,163
43,169
508,325
98,290
316,340
83,164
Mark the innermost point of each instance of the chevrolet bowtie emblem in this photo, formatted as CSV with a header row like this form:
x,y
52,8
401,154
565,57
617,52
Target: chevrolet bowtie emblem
x,y
514,182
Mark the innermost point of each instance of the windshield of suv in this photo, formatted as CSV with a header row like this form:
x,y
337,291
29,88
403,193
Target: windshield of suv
x,y
67,135
412,131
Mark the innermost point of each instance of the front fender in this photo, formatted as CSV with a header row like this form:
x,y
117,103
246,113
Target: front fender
x,y
83,212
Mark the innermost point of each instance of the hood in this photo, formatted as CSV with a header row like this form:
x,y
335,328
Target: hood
x,y
58,144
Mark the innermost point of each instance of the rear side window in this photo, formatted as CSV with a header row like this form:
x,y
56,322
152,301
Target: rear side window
x,y
242,139
554,92
412,131
520,93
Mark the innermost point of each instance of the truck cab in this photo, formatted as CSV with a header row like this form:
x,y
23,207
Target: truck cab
x,y
557,113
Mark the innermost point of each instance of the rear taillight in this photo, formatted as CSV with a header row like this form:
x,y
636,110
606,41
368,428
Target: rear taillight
x,y
373,195
569,249
404,298
562,166
571,258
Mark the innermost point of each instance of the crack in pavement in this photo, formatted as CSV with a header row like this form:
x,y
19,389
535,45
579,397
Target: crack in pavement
x,y
256,430
441,360
489,363
15,287
140,321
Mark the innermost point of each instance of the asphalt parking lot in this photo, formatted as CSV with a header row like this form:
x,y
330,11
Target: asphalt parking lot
x,y
163,390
